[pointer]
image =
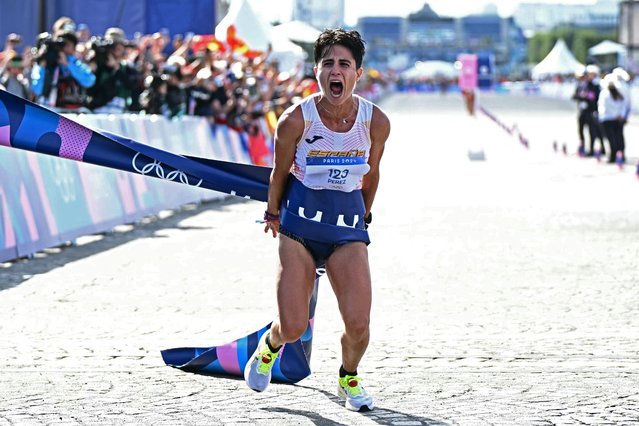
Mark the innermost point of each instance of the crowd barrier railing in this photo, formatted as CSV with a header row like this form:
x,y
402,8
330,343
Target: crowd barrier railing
x,y
47,201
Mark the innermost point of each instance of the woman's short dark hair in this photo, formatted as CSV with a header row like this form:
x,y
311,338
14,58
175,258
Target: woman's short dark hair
x,y
351,39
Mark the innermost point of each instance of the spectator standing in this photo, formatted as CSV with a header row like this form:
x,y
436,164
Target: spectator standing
x,y
221,98
175,92
116,78
201,94
587,94
10,49
153,98
612,110
13,79
83,33
624,82
59,79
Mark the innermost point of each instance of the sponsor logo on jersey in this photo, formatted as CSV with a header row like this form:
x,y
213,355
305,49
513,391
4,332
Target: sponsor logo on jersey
x,y
314,139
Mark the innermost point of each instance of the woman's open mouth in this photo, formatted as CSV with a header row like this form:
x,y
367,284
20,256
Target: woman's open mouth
x,y
336,88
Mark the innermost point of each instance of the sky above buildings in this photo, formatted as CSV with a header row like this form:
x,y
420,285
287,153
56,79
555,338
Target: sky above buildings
x,y
280,10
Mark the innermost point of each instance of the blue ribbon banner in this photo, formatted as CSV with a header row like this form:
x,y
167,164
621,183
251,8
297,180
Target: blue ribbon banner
x,y
27,126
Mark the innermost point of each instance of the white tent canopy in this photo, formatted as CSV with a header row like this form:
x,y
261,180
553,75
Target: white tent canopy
x,y
559,61
297,31
607,47
259,36
249,27
288,55
431,69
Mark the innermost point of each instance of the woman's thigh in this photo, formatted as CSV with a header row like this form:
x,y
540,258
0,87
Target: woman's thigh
x,y
295,282
350,277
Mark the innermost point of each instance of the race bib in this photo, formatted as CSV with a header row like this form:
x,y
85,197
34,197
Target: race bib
x,y
337,170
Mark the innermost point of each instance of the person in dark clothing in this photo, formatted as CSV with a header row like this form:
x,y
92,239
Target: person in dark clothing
x,y
221,99
612,113
201,97
175,92
58,78
116,79
153,98
587,95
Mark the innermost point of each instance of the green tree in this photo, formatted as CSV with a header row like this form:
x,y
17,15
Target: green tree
x,y
578,40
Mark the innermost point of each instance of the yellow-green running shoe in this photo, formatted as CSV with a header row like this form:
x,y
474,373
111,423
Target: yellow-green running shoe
x,y
350,389
257,372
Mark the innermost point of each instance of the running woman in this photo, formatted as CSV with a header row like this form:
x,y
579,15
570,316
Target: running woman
x,y
325,176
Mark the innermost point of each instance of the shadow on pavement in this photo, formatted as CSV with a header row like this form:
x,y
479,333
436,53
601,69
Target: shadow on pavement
x,y
23,269
380,415
313,417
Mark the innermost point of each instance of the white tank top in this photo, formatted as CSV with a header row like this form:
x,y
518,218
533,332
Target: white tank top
x,y
332,160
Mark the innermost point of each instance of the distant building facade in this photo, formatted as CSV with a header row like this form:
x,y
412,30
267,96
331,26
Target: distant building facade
x,y
382,30
536,17
427,28
320,13
424,35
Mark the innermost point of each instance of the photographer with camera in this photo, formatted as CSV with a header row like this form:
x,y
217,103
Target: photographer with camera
x,y
10,50
117,80
58,77
13,79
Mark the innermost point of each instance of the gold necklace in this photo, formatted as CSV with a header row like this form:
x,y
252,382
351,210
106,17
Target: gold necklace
x,y
343,120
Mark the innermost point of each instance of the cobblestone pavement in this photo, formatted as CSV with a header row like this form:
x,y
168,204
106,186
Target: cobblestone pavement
x,y
505,293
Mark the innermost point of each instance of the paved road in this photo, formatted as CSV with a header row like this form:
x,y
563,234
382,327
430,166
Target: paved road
x,y
505,293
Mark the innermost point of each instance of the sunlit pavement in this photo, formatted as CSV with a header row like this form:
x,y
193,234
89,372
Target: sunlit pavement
x,y
506,282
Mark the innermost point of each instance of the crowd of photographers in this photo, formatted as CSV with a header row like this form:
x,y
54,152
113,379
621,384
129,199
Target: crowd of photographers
x,y
70,70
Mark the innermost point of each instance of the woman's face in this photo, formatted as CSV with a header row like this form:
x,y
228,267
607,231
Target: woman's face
x,y
337,74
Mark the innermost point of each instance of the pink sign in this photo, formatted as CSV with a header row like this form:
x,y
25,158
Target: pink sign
x,y
468,71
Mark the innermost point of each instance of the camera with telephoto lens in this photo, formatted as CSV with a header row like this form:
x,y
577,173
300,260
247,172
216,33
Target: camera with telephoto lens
x,y
101,48
48,48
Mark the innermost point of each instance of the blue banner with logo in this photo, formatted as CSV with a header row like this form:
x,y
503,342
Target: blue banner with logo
x,y
49,199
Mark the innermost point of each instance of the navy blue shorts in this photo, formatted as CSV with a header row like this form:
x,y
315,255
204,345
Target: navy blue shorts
x,y
319,251
322,220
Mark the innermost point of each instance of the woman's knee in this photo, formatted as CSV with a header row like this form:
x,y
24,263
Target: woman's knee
x,y
291,330
357,326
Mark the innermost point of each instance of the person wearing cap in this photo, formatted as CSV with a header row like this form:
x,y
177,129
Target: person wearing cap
x,y
12,42
587,95
59,79
116,78
624,82
10,50
13,79
83,32
612,110
63,24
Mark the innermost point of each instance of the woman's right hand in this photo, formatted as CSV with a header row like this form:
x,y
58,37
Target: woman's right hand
x,y
273,226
